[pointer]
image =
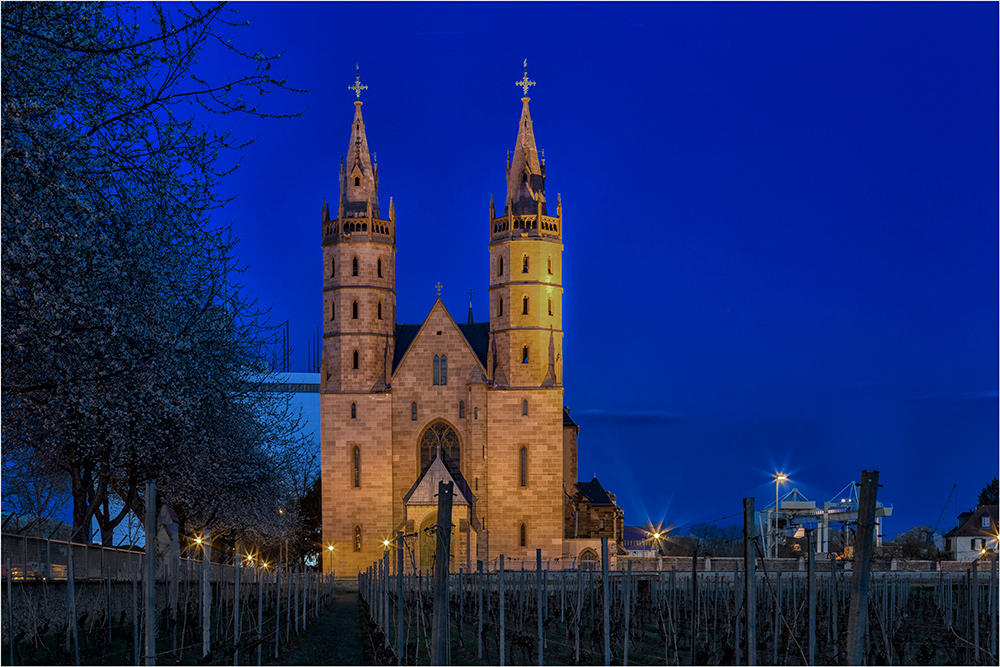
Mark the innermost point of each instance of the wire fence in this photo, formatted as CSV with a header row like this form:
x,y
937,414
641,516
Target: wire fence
x,y
534,614
79,604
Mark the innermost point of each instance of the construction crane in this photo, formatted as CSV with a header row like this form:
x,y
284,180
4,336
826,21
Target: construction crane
x,y
944,513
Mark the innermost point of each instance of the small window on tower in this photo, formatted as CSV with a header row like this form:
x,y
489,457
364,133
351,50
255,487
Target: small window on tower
x,y
524,354
500,266
380,309
550,306
524,264
550,266
524,466
413,412
379,266
357,538
333,267
354,410
500,308
524,306
524,535
475,413
356,359
524,407
333,310
461,409
354,266
357,181
354,310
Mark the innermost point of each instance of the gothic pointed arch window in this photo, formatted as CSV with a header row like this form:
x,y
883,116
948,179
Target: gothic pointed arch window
x,y
354,310
357,538
444,369
461,409
357,181
499,266
524,407
436,379
524,535
333,267
500,307
524,264
440,437
354,410
524,354
413,412
524,305
550,266
356,467
379,311
379,267
523,468
356,360
550,306
333,310
354,266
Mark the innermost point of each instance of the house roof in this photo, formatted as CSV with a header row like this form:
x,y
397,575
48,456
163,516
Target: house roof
x,y
972,526
595,493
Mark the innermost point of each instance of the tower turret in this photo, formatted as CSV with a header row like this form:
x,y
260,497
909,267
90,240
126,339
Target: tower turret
x,y
526,271
359,296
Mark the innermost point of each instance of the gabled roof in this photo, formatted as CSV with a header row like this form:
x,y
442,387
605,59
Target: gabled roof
x,y
595,493
476,334
425,488
972,526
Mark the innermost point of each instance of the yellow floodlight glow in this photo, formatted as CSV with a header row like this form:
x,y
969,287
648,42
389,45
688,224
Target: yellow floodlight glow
x,y
330,548
197,540
385,543
656,536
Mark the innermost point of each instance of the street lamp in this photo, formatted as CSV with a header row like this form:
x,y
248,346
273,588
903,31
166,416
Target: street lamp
x,y
329,549
778,479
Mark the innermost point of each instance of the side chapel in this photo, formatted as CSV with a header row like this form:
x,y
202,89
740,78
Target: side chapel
x,y
404,406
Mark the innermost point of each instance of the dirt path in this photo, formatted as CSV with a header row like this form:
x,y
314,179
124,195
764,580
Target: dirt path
x,y
333,639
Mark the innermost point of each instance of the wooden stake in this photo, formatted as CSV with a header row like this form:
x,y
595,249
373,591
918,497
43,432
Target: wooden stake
x,y
442,554
749,562
149,579
811,594
607,601
857,619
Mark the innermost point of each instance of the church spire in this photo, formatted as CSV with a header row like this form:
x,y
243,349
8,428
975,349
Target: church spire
x,y
359,178
525,174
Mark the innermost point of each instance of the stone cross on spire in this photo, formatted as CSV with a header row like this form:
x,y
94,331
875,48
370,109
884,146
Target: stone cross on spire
x,y
525,82
358,86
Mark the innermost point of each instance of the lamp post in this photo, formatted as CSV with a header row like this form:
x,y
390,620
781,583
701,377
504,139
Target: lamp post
x,y
778,479
329,550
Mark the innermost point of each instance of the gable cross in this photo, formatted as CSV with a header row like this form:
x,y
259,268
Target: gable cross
x,y
438,287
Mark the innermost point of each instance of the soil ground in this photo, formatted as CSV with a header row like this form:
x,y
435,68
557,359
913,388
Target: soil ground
x,y
335,638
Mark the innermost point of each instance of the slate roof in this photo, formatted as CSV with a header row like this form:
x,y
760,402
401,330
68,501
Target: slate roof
x,y
477,333
595,493
567,420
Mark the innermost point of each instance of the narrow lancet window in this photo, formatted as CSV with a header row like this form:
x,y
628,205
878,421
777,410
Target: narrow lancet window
x,y
444,369
357,468
413,412
379,267
524,466
437,370
524,264
354,266
354,310
461,409
355,360
524,306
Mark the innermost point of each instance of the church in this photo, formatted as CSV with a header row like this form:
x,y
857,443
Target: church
x,y
480,404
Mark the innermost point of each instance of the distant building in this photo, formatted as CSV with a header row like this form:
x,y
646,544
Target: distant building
x,y
975,535
640,542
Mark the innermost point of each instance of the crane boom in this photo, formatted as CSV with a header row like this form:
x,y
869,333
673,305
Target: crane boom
x,y
944,511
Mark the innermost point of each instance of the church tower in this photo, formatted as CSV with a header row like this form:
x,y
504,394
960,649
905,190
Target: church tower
x,y
359,316
526,271
359,294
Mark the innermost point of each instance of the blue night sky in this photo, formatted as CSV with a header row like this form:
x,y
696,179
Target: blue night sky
x,y
781,237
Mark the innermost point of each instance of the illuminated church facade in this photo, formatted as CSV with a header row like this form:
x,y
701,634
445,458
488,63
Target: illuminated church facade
x,y
480,404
